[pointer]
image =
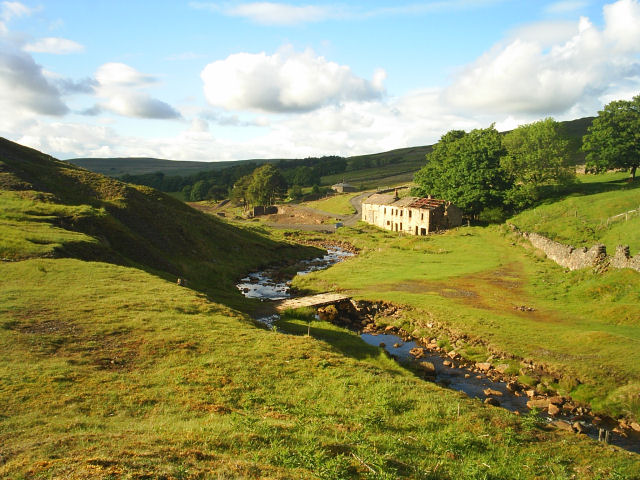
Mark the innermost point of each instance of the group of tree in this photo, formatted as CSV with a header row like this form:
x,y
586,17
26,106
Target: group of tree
x,y
488,174
298,173
264,186
613,140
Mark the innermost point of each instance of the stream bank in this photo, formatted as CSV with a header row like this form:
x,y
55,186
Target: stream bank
x,y
430,357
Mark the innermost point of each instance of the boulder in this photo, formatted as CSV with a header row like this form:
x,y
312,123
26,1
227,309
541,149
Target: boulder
x,y
553,409
557,400
492,392
428,368
540,403
446,363
492,401
389,329
397,345
453,355
513,387
530,393
579,428
417,352
483,367
502,368
560,425
635,426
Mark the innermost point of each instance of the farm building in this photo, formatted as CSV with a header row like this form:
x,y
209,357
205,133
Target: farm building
x,y
412,215
343,187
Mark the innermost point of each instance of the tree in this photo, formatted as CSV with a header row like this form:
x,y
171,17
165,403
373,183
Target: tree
x,y
239,190
465,169
199,191
537,155
613,140
267,184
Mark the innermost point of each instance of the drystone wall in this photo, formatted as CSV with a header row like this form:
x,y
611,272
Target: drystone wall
x,y
573,258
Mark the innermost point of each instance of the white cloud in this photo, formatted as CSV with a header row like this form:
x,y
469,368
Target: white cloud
x,y
120,85
138,105
24,86
522,77
122,75
9,10
547,33
55,45
284,82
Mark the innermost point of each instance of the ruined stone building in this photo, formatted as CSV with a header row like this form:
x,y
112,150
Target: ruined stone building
x,y
412,215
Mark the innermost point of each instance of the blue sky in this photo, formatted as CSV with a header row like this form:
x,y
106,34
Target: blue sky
x,y
206,80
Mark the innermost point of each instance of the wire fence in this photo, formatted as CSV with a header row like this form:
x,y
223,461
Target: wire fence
x,y
624,215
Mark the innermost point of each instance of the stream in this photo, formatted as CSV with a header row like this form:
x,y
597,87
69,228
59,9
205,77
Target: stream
x,y
269,285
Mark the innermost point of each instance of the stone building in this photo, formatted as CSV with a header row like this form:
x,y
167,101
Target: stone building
x,y
343,187
412,215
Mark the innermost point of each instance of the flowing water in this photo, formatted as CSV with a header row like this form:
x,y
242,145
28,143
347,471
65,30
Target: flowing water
x,y
268,285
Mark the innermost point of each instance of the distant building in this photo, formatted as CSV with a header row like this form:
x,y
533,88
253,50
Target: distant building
x,y
412,215
343,187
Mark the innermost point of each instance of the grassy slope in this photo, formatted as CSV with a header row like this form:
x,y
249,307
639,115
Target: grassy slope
x,y
581,218
116,167
170,385
109,371
471,280
337,204
54,208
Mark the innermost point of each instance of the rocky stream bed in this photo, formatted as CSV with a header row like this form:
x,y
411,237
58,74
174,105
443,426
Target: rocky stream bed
x,y
487,381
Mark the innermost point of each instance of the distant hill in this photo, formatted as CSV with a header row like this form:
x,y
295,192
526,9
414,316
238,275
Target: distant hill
x,y
54,209
116,167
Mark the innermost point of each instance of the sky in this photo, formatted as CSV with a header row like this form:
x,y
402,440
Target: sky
x,y
211,81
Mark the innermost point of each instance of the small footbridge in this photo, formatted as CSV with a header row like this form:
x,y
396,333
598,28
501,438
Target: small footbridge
x,y
320,300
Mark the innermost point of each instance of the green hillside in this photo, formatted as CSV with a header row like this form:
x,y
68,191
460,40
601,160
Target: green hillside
x,y
53,208
591,214
116,167
109,370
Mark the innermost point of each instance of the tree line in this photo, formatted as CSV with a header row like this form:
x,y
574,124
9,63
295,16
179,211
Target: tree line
x,y
219,184
489,175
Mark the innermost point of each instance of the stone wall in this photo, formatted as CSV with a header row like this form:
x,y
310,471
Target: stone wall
x,y
576,258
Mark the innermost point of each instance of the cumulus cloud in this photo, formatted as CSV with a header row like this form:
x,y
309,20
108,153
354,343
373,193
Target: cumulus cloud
x,y
120,85
116,74
523,77
284,82
55,45
24,86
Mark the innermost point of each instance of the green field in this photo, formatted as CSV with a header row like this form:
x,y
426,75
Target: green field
x,y
584,217
469,282
108,369
378,177
337,204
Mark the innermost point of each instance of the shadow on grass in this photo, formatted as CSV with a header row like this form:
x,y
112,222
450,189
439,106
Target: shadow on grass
x,y
344,342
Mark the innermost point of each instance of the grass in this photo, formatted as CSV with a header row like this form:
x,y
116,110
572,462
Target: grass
x,y
53,208
109,370
471,279
580,219
169,384
336,204
378,177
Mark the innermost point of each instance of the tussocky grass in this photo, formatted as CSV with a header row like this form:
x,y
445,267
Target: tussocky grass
x,y
129,376
583,325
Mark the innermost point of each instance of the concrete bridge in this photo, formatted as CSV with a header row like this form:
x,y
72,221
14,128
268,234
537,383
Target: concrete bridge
x,y
315,301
